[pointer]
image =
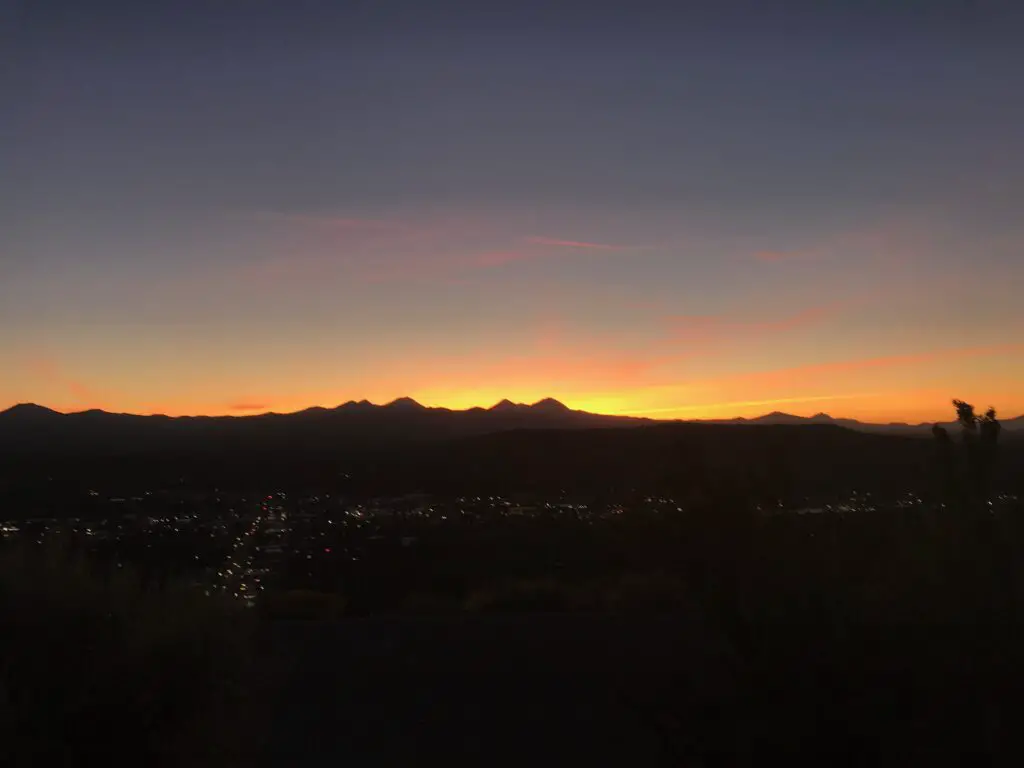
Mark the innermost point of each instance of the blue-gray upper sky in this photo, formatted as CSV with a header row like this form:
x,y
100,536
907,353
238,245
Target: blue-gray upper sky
x,y
389,181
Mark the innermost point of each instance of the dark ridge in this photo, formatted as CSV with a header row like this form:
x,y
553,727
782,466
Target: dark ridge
x,y
22,410
406,403
550,404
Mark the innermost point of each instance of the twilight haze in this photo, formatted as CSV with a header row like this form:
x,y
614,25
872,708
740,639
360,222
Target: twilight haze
x,y
233,207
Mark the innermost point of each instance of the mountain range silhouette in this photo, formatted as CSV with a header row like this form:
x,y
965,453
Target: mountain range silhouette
x,y
30,426
404,446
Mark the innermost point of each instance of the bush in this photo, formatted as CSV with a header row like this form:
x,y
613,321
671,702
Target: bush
x,y
532,596
93,662
881,637
302,604
650,593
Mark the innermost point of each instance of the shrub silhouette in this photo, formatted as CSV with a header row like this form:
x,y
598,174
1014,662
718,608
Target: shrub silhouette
x,y
94,663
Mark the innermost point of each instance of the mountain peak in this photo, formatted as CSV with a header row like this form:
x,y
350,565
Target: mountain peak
x,y
550,404
504,405
29,409
406,403
779,417
354,404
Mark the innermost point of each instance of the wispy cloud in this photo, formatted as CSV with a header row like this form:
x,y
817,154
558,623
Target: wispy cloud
x,y
750,403
51,372
807,317
813,370
775,257
376,249
496,258
559,243
809,383
449,269
890,240
248,406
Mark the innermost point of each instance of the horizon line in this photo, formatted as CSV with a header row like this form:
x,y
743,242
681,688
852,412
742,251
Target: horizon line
x,y
637,415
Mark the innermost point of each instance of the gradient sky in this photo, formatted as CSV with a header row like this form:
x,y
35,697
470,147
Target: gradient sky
x,y
230,207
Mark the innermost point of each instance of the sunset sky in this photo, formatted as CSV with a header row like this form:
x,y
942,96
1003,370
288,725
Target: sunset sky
x,y
231,207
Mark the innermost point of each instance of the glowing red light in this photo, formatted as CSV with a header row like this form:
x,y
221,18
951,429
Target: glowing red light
x,y
327,549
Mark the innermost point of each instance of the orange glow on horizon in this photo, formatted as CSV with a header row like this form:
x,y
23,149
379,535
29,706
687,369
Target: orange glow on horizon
x,y
911,406
905,387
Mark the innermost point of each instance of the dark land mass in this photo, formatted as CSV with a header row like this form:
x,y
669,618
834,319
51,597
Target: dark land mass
x,y
637,690
893,428
692,630
35,429
486,690
360,449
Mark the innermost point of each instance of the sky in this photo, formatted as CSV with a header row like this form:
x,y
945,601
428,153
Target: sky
x,y
714,210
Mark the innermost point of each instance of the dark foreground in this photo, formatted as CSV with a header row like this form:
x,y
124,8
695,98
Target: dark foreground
x,y
485,690
636,691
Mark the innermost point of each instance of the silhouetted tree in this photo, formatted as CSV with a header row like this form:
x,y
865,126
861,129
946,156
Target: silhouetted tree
x,y
945,462
965,416
980,437
988,442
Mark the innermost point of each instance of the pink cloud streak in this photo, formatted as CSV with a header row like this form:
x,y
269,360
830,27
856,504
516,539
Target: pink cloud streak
x,y
775,257
246,406
571,243
384,249
52,372
786,375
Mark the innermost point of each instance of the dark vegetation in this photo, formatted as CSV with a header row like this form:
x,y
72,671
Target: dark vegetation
x,y
101,665
873,637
